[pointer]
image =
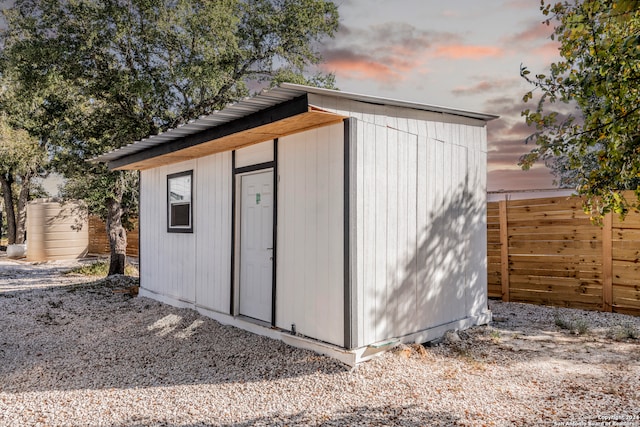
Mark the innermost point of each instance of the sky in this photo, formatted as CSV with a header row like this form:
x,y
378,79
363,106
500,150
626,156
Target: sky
x,y
457,53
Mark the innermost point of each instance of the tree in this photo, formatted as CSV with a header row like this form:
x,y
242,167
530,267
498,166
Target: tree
x,y
109,72
597,149
21,160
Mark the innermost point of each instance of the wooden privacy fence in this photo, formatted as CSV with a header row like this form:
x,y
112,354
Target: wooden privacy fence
x,y
547,251
99,243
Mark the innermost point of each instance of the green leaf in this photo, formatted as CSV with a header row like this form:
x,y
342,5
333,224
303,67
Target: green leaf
x,y
598,76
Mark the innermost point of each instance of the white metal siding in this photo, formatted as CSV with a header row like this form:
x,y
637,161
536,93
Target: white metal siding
x,y
421,221
420,218
212,219
254,154
191,267
310,234
167,259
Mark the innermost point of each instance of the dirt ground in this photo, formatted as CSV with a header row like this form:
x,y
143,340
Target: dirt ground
x,y
77,353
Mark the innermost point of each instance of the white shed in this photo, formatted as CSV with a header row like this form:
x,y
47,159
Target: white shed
x,y
334,221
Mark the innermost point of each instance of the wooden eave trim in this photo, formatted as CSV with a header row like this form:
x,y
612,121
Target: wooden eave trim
x,y
260,118
283,119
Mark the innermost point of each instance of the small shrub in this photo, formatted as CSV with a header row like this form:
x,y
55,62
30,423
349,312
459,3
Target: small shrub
x,y
495,336
561,322
581,327
578,327
624,332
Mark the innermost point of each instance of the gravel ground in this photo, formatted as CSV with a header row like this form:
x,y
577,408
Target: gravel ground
x,y
80,354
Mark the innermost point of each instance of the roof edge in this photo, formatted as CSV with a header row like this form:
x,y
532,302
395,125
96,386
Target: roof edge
x,y
390,101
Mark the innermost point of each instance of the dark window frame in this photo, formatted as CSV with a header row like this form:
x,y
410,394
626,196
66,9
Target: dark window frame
x,y
180,228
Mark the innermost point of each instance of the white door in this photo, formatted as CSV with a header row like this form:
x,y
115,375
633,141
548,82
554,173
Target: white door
x,y
256,245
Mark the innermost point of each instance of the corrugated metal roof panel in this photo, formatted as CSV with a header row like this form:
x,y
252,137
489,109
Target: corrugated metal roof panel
x,y
266,99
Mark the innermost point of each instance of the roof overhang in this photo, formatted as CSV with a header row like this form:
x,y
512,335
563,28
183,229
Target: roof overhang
x,y
273,113
283,119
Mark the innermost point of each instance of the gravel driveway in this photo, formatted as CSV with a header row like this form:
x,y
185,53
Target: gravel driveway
x,y
74,354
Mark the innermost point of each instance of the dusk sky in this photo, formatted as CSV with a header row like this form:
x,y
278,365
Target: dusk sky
x,y
456,53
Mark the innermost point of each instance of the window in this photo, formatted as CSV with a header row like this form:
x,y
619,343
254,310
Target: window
x,y
180,212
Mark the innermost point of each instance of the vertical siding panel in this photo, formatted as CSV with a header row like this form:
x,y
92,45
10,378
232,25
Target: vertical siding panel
x,y
440,131
402,318
423,193
224,224
423,128
402,122
359,284
212,232
412,122
437,237
409,284
453,132
477,282
380,290
147,261
390,117
380,115
462,236
431,130
160,202
219,277
482,136
369,195
147,265
311,233
283,274
393,174
199,226
288,260
218,204
310,267
448,276
334,308
188,276
203,227
299,221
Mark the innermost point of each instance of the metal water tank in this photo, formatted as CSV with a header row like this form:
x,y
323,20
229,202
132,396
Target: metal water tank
x,y
57,230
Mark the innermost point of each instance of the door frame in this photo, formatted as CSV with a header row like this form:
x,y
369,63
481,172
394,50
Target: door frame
x,y
236,198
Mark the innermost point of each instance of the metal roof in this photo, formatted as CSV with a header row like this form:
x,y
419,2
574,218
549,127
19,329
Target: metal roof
x,y
265,99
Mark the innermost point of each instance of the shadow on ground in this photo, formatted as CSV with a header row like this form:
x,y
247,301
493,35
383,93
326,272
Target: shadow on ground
x,y
88,337
408,416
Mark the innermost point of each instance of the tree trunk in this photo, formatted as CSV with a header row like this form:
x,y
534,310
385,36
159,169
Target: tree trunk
x,y
7,193
117,237
21,215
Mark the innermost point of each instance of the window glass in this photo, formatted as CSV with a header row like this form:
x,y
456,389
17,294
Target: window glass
x,y
180,214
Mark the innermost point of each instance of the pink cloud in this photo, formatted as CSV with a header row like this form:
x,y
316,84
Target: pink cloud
x,y
549,51
537,178
536,31
386,69
459,51
519,4
386,53
485,86
362,68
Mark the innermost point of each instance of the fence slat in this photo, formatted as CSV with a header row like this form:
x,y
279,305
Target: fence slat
x,y
99,243
504,250
548,251
607,264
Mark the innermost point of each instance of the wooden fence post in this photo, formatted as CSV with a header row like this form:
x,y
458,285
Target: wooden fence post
x,y
504,250
607,263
